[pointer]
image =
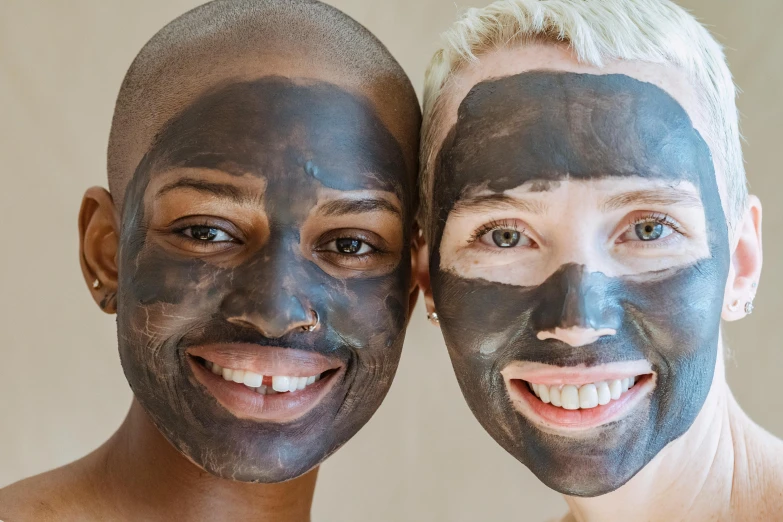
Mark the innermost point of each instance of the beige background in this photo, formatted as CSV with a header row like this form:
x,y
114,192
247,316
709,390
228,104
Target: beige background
x,y
423,456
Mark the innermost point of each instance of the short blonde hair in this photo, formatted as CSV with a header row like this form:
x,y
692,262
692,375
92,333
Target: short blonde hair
x,y
597,31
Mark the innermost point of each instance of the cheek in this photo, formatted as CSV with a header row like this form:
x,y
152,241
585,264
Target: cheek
x,y
162,297
371,313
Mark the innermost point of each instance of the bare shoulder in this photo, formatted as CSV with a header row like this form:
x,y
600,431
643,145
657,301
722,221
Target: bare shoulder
x,y
57,495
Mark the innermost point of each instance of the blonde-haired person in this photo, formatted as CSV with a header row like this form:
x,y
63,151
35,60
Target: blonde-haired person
x,y
588,227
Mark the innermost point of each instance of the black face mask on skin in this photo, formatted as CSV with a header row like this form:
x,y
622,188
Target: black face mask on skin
x,y
298,137
544,127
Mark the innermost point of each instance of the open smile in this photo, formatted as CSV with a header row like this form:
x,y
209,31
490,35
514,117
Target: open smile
x,y
574,399
264,383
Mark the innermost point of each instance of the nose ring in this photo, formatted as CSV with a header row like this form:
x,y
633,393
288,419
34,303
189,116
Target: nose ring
x,y
313,324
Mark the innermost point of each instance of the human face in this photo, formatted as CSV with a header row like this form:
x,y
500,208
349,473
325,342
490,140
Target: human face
x,y
578,261
264,209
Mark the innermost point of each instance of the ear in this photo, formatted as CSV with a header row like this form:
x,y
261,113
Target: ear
x,y
423,273
413,296
746,260
98,242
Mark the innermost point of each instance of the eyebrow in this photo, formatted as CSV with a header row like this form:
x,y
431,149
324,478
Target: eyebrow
x,y
342,207
660,196
496,202
222,190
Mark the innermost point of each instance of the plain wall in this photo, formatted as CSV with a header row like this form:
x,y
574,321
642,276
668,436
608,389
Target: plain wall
x,y
423,456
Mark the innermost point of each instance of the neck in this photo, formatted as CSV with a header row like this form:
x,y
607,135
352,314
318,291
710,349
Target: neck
x,y
700,476
143,477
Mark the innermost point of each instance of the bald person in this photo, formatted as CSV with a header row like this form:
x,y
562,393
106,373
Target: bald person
x,y
255,245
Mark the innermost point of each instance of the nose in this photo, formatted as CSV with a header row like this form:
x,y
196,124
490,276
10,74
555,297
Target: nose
x,y
273,315
577,307
271,295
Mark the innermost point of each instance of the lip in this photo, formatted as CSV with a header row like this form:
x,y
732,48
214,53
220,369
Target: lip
x,y
243,402
561,421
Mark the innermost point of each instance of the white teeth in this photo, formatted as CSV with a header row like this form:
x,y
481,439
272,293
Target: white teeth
x,y
586,396
280,383
253,380
615,389
554,396
238,376
604,396
569,396
543,392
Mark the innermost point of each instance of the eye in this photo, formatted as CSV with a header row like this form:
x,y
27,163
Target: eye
x,y
506,238
206,234
503,235
349,246
649,228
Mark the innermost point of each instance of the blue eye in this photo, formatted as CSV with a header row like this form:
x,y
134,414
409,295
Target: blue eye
x,y
506,237
649,230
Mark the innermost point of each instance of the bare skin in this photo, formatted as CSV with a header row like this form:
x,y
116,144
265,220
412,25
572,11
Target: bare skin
x,y
724,467
115,482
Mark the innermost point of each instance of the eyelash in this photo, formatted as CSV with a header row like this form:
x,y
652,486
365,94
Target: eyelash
x,y
494,225
656,217
206,224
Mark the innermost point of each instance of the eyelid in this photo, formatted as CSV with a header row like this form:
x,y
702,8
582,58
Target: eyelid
x,y
376,242
497,224
183,223
658,217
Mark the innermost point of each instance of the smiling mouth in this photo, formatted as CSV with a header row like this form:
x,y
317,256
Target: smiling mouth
x,y
264,383
561,399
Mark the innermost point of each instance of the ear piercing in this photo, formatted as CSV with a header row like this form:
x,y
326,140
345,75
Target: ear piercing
x,y
313,324
96,284
433,318
749,307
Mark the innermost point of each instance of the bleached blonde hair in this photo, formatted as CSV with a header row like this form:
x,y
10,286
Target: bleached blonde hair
x,y
597,32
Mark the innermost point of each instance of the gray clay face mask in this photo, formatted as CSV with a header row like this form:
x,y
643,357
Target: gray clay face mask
x,y
291,142
541,128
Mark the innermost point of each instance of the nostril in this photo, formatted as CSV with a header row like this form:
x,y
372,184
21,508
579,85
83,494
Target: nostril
x,y
575,336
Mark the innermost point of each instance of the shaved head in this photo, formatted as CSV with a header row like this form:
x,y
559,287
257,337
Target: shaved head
x,y
226,41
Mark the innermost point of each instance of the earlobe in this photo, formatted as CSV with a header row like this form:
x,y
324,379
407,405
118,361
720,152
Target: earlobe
x,y
423,273
98,244
746,262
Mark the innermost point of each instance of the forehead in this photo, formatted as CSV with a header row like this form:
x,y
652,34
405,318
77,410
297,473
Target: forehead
x,y
513,60
285,130
550,125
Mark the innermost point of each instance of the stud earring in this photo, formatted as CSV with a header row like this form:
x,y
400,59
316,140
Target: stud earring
x,y
749,307
433,318
96,284
733,307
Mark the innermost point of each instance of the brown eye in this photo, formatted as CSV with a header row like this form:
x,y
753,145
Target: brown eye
x,y
206,234
349,246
